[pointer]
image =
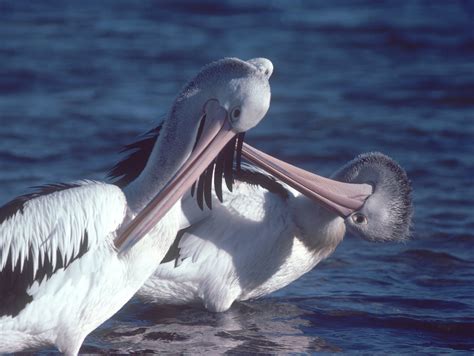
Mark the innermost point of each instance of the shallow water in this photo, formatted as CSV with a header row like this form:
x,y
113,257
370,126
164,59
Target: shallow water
x,y
79,80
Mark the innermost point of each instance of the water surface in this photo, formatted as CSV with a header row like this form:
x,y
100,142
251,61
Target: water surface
x,y
79,80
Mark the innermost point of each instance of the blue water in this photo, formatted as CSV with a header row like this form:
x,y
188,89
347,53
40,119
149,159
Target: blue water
x,y
80,79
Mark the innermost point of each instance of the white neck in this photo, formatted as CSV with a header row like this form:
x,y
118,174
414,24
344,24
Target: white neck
x,y
320,229
171,149
146,254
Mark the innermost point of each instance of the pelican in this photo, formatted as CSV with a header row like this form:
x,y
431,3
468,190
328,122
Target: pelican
x,y
71,255
266,234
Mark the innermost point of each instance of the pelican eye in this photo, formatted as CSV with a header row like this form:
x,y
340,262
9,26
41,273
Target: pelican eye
x,y
266,72
235,114
359,219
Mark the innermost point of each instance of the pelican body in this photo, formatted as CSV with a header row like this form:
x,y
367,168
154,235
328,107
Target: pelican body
x,y
266,234
71,255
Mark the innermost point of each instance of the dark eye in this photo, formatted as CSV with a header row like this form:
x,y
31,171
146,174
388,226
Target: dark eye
x,y
266,72
359,219
236,113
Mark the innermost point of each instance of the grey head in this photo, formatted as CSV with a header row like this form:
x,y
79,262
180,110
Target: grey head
x,y
241,88
387,213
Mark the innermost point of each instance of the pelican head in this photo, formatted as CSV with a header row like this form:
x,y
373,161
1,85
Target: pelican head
x,y
226,98
386,214
230,87
243,90
371,193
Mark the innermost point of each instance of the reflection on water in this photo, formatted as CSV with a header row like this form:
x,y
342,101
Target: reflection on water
x,y
265,326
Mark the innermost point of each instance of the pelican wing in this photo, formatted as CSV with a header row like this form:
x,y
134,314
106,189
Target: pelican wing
x,y
232,226
221,257
47,230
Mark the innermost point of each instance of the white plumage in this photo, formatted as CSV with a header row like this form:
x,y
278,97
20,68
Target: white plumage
x,y
73,254
56,222
258,241
67,306
248,247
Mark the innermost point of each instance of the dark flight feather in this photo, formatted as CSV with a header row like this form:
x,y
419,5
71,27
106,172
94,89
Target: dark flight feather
x,y
247,174
14,282
218,171
17,205
173,252
129,168
238,150
208,185
228,153
252,175
200,192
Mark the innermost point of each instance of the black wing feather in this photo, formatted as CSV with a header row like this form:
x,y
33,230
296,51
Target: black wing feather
x,y
228,153
200,192
14,281
251,175
238,150
218,171
173,252
208,185
129,168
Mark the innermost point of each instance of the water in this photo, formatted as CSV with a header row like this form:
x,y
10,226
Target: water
x,y
79,80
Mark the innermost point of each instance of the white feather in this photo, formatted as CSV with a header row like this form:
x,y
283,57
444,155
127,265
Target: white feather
x,y
248,247
52,223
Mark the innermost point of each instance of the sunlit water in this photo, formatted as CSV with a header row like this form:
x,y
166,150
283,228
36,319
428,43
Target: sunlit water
x,y
79,80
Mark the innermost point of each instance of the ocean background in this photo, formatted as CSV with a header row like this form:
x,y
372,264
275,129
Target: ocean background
x,y
78,80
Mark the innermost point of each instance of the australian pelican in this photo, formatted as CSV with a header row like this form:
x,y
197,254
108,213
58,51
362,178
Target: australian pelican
x,y
268,232
71,255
